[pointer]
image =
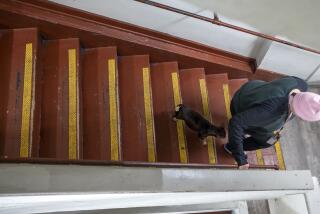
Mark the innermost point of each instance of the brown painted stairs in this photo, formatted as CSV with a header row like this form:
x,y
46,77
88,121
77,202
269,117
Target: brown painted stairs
x,y
62,102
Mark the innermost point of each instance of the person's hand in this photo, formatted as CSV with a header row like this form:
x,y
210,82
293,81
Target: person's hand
x,y
246,166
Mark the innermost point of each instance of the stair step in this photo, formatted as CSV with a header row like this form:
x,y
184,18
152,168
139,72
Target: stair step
x,y
219,107
194,95
266,156
60,120
253,156
137,128
19,79
100,112
270,156
100,104
170,136
218,212
235,84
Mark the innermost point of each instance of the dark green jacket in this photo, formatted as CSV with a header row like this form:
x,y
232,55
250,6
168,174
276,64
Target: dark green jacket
x,y
259,108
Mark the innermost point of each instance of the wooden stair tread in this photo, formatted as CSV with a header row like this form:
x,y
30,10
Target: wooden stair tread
x,y
100,91
218,212
163,76
216,92
234,85
191,97
19,109
61,130
268,155
133,80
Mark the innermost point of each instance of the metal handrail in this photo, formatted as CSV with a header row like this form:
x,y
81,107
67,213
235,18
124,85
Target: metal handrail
x,y
216,21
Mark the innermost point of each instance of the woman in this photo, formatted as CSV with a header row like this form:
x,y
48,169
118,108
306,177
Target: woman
x,y
260,109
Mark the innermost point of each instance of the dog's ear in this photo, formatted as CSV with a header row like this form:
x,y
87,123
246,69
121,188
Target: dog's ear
x,y
179,111
177,114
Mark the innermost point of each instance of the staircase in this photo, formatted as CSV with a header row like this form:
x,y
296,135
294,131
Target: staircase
x,y
61,101
72,96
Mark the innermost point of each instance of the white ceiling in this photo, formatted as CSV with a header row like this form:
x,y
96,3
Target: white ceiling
x,y
262,16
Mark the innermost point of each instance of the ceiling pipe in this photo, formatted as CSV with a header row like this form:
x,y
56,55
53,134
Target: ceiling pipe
x,y
216,21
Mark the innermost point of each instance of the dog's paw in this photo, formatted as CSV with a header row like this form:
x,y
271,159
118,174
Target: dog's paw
x,y
177,108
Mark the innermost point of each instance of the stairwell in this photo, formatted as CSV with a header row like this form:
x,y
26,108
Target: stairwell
x,y
105,94
65,102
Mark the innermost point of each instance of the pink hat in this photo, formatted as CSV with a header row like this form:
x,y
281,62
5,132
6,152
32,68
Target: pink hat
x,y
306,105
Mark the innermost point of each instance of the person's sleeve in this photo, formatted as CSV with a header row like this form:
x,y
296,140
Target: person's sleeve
x,y
301,84
253,117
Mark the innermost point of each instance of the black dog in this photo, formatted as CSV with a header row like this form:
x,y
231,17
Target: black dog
x,y
198,123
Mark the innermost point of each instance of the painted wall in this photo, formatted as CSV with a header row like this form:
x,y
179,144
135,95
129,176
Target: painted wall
x,y
295,20
278,58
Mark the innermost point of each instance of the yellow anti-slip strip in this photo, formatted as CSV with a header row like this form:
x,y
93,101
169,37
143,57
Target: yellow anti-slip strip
x,y
27,102
148,115
113,110
259,155
227,99
73,104
281,163
205,105
180,127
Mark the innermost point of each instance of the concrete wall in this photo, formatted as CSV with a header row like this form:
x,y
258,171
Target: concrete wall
x,y
293,19
258,207
277,57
